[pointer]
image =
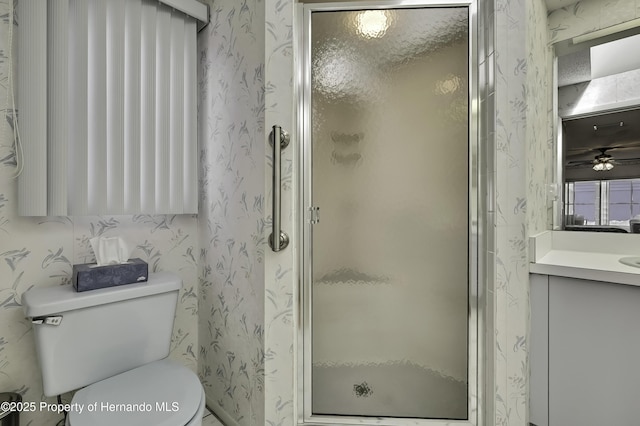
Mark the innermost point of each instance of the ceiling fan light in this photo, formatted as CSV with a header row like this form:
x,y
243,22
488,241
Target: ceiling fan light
x,y
603,166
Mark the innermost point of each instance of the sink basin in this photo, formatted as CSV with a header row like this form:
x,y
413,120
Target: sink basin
x,y
631,261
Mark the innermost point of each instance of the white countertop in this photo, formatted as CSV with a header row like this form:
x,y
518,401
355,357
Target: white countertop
x,y
585,255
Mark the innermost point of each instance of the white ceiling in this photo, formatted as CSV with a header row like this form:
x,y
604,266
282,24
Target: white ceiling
x,y
557,4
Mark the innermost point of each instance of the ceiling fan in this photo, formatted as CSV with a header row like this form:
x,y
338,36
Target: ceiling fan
x,y
603,161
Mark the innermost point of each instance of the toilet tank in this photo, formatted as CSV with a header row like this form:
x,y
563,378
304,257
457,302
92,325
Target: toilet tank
x,y
82,338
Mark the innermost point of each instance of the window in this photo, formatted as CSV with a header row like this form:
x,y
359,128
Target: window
x,y
602,203
583,202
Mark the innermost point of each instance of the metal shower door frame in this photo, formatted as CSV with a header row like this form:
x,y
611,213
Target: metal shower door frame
x,y
302,86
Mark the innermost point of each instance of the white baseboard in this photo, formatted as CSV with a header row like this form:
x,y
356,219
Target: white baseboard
x,y
220,413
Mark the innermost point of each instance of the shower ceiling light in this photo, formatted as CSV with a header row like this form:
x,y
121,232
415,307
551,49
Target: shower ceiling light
x,y
372,23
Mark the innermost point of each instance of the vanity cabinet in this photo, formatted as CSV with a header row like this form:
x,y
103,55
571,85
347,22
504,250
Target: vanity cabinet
x,y
584,352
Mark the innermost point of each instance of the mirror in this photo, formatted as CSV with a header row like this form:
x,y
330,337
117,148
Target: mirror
x,y
598,132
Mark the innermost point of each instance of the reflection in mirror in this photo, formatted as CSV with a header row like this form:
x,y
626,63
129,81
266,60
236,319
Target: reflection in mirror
x,y
599,105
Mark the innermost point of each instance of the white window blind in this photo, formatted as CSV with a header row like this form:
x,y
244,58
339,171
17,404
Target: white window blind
x,y
107,106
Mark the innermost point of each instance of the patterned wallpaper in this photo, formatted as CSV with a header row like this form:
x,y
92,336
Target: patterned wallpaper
x,y
231,220
281,271
539,119
41,251
590,15
539,212
511,263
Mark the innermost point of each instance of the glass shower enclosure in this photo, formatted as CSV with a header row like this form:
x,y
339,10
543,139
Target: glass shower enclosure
x,y
388,269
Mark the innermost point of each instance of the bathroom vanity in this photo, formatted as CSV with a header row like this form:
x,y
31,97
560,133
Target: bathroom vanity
x,y
584,341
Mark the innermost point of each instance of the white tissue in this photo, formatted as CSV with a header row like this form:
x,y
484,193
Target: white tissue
x,y
110,250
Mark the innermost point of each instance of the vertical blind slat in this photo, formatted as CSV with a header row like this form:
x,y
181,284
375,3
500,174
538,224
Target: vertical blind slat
x,y
32,101
115,106
190,118
132,106
78,173
176,111
163,99
148,105
97,121
58,105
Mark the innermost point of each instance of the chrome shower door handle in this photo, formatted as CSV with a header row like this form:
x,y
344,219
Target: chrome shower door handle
x,y
280,140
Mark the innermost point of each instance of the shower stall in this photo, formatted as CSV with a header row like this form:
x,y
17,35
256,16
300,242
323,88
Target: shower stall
x,y
388,252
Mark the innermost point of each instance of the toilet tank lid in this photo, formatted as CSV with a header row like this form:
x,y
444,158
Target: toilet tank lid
x,y
43,301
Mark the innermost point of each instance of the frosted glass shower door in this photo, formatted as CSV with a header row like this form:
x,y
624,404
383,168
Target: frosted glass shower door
x,y
389,160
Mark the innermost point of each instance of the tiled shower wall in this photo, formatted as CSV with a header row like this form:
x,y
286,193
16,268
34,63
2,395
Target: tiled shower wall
x,y
40,252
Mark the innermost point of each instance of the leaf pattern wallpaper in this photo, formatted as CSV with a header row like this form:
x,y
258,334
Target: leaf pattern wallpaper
x,y
231,219
281,271
41,251
236,323
539,116
511,279
590,15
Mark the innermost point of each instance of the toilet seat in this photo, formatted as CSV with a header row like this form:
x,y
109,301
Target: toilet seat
x,y
161,393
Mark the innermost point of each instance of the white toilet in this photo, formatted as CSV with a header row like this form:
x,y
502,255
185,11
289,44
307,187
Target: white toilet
x,y
112,343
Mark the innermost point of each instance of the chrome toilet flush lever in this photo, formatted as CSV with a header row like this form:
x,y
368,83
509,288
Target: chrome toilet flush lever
x,y
50,320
